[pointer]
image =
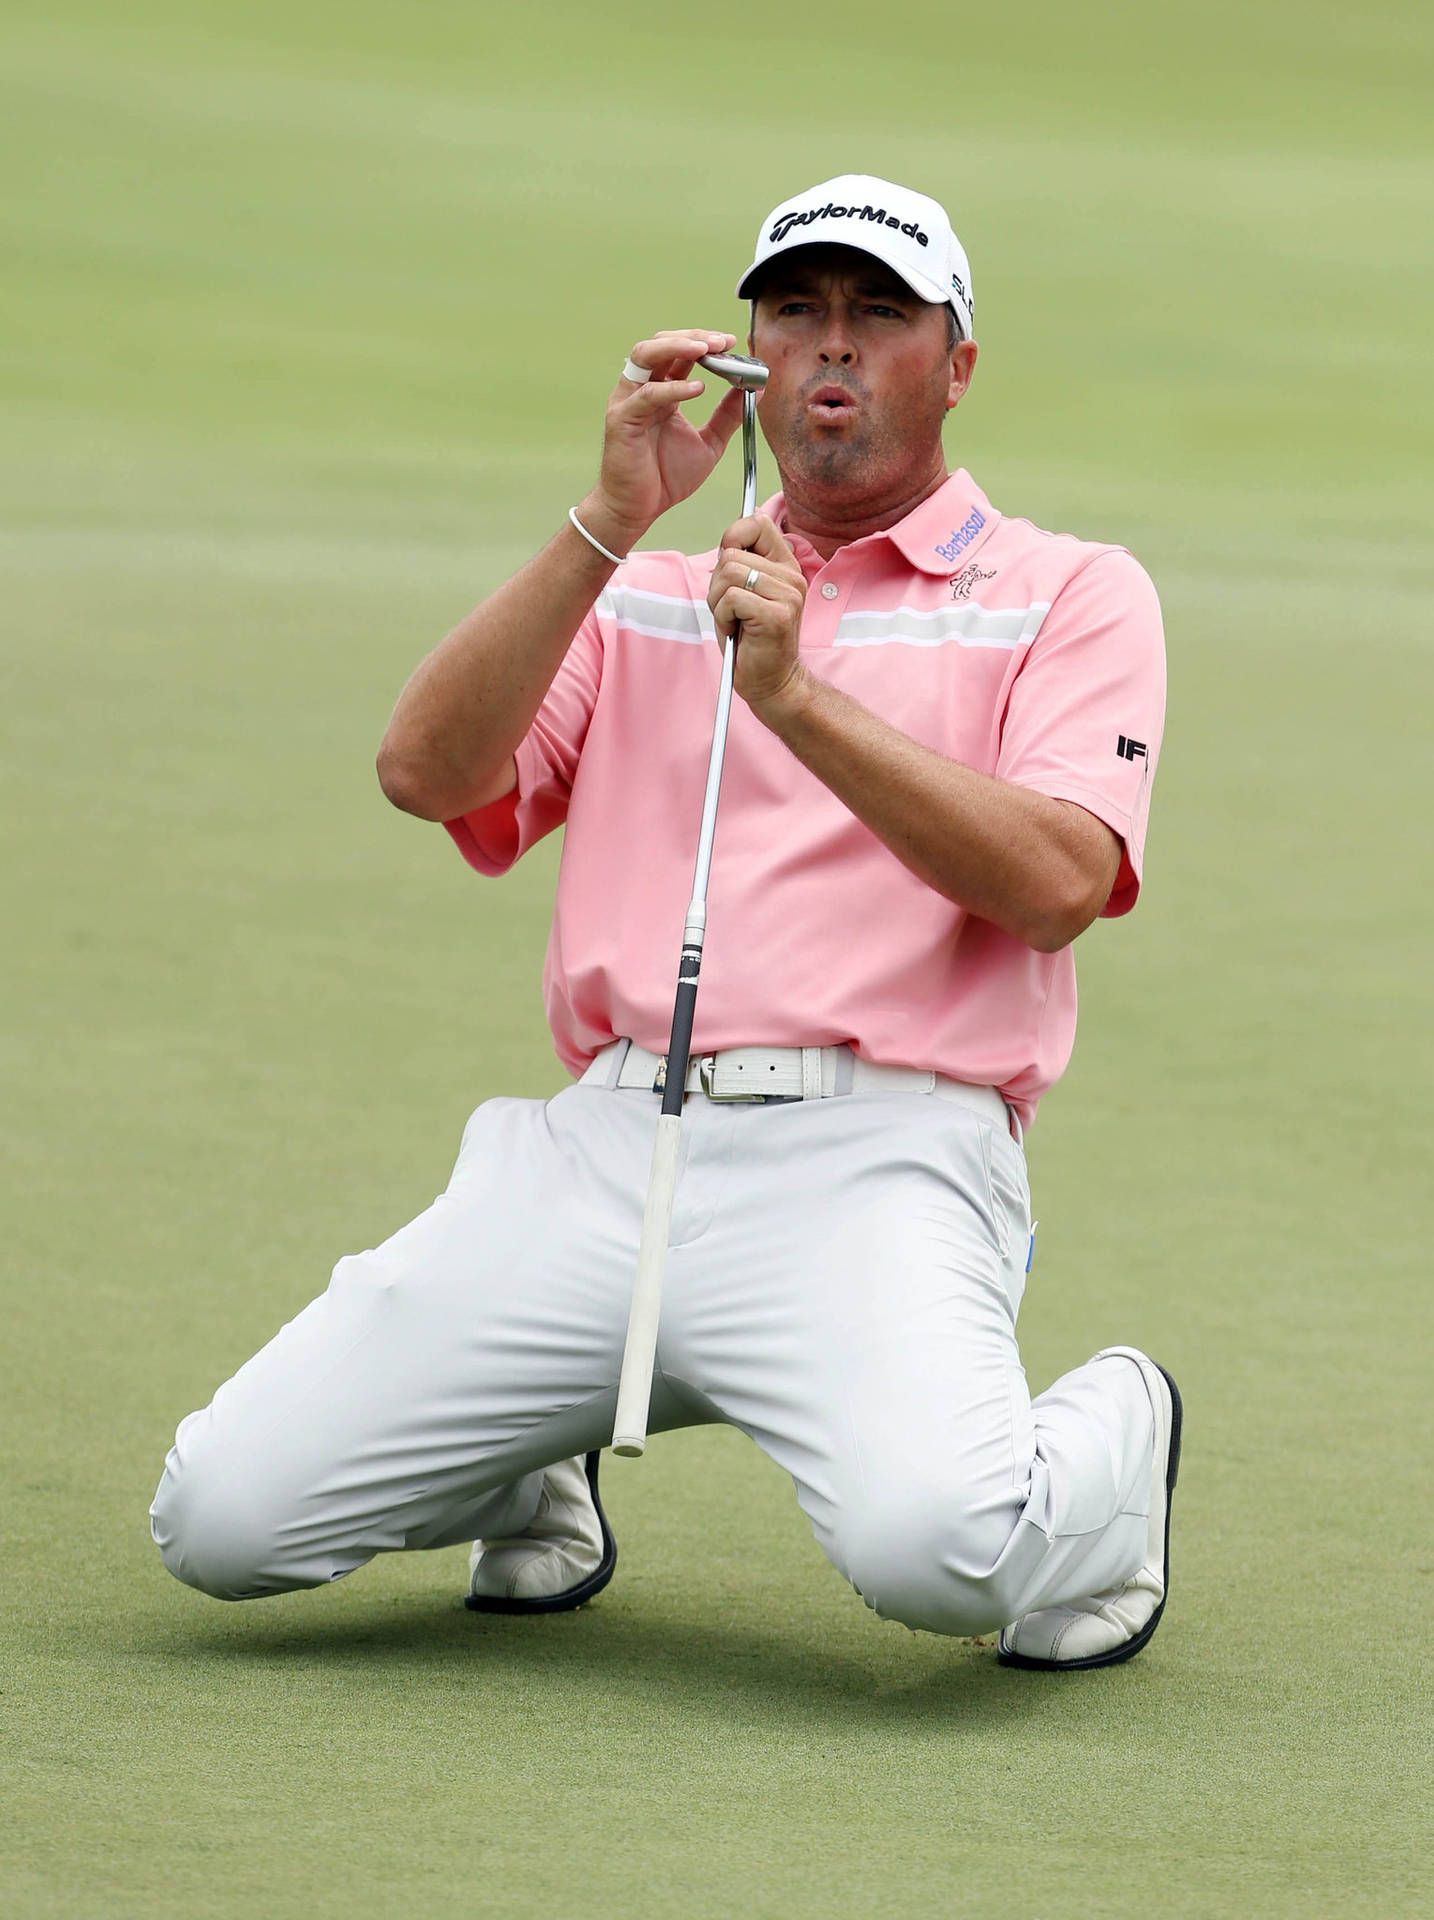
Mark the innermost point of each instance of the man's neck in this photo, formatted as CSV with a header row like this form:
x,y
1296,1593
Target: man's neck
x,y
827,525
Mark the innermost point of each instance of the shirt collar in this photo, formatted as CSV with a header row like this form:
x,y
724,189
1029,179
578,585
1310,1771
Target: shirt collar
x,y
936,537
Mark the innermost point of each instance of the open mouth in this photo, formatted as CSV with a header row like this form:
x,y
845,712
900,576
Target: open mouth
x,y
832,403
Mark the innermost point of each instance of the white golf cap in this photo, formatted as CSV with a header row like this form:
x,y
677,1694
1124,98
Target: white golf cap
x,y
907,230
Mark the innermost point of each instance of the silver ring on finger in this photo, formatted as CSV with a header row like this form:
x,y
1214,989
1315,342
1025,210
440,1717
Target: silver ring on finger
x,y
752,578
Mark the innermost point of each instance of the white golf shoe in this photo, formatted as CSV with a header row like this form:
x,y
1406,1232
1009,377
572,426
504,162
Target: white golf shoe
x,y
564,1556
1115,1625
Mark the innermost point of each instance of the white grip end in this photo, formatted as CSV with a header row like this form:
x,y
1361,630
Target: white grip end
x,y
634,1389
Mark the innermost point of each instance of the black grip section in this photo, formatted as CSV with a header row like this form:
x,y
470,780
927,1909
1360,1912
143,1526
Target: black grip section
x,y
679,1047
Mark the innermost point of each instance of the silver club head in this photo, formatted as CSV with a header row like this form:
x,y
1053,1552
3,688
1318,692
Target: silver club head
x,y
749,376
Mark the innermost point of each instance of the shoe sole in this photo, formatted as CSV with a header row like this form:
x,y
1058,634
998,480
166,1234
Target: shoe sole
x,y
1129,1648
570,1597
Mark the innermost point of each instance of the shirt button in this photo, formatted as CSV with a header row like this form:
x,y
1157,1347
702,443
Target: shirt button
x,y
830,590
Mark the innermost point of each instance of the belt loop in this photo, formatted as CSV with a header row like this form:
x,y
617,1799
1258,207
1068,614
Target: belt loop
x,y
811,1073
615,1064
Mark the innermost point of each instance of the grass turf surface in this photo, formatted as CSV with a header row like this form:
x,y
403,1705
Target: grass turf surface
x,y
310,312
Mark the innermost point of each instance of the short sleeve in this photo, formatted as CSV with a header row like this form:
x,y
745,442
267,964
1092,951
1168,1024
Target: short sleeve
x,y
492,838
1087,707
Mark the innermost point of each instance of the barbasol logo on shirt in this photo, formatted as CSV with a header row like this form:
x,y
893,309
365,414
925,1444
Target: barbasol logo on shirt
x,y
878,215
963,536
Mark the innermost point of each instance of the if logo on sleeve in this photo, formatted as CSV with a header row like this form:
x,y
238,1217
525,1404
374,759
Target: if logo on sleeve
x,y
1130,749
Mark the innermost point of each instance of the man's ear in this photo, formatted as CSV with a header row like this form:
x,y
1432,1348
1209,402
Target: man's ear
x,y
963,366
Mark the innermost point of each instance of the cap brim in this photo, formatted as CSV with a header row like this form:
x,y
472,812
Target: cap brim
x,y
918,282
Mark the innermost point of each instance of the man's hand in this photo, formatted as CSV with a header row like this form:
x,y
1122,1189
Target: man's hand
x,y
768,670
653,456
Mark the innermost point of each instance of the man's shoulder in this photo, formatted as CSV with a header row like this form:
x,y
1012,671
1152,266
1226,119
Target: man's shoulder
x,y
1071,551
988,550
1052,561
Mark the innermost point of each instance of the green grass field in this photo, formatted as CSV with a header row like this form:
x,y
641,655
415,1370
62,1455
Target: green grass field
x,y
308,314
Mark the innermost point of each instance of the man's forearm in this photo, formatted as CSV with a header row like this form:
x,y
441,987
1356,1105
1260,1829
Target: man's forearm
x,y
449,747
1038,868
450,744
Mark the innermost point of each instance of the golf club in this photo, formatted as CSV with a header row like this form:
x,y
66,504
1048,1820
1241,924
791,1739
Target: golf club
x,y
634,1390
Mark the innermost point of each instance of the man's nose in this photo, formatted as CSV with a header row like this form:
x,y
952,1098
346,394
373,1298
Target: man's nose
x,y
836,346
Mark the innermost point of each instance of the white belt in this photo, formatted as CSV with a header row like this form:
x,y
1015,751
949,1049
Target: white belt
x,y
788,1073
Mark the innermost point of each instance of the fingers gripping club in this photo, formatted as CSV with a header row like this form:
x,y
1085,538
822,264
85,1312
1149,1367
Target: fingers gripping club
x,y
634,1391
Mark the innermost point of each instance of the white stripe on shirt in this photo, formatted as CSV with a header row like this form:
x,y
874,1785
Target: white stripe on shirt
x,y
969,624
659,616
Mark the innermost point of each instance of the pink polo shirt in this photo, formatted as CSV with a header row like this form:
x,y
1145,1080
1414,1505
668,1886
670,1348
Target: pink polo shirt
x,y
1032,656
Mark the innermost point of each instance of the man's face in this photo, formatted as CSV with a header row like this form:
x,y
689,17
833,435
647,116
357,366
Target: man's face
x,y
861,374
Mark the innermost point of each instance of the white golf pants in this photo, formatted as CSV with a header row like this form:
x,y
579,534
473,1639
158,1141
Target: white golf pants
x,y
842,1285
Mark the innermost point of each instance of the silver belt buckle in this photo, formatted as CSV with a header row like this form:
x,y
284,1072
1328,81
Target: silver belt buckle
x,y
707,1075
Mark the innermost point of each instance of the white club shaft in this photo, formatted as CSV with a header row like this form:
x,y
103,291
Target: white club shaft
x,y
634,1388
695,926
639,1354
749,452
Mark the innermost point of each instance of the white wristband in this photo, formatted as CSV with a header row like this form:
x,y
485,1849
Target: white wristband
x,y
616,558
639,376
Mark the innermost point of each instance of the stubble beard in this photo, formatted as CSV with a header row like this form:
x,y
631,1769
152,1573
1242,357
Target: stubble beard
x,y
837,466
857,471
